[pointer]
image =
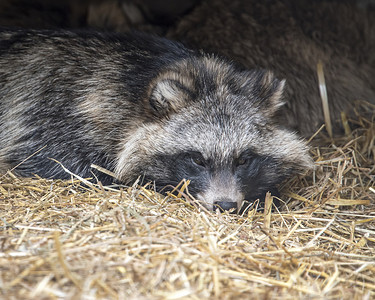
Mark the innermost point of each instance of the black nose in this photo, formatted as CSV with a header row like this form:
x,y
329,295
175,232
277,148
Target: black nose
x,y
225,205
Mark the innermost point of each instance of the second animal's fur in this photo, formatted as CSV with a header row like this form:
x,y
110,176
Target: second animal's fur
x,y
140,105
289,37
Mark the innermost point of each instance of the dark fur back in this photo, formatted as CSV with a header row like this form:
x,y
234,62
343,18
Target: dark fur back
x,y
64,89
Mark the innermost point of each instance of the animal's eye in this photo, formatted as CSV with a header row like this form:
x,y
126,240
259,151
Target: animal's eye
x,y
242,161
198,160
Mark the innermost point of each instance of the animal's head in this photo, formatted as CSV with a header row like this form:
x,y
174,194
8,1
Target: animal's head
x,y
214,124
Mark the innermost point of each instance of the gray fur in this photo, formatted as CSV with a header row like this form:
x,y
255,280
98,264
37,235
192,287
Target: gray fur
x,y
134,104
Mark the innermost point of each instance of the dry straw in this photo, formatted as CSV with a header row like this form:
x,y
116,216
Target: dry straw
x,y
77,240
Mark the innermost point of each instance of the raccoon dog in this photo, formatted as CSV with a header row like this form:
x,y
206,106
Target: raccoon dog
x,y
142,106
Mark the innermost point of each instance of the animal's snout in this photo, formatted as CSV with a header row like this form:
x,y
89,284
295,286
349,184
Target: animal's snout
x,y
226,204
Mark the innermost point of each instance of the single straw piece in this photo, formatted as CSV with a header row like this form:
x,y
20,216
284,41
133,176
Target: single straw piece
x,y
323,95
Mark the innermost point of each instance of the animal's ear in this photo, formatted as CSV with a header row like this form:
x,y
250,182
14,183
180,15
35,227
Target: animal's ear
x,y
269,91
169,93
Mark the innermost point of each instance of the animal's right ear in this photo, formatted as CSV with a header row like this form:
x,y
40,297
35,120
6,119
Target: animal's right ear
x,y
169,93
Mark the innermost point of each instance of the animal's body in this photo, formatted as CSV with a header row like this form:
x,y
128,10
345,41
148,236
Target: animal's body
x,y
140,105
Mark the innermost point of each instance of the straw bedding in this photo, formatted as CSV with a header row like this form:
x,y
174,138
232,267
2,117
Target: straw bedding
x,y
78,240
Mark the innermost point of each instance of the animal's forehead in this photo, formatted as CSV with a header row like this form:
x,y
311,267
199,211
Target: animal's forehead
x,y
224,106
219,132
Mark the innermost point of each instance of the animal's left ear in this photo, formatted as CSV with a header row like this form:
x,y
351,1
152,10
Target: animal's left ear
x,y
269,91
169,93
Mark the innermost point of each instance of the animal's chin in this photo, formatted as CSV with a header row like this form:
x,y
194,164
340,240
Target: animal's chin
x,y
211,207
231,206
